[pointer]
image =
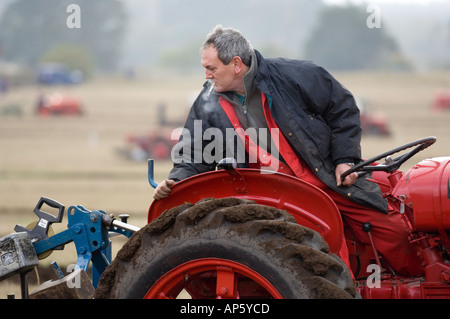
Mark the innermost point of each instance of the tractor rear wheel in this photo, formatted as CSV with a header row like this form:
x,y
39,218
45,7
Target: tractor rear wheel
x,y
226,248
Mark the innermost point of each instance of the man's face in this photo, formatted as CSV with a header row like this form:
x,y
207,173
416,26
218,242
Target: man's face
x,y
225,77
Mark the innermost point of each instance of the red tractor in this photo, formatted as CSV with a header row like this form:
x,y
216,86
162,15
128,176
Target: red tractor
x,y
240,233
58,104
442,101
154,144
372,124
245,233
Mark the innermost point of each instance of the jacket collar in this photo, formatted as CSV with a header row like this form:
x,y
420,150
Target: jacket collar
x,y
249,77
262,79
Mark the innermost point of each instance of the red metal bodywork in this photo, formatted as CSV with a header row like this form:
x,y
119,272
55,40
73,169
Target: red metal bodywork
x,y
212,278
427,190
309,205
422,194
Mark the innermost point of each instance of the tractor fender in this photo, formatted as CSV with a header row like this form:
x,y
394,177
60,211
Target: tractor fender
x,y
310,206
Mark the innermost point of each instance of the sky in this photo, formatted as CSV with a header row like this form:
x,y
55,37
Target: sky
x,y
421,2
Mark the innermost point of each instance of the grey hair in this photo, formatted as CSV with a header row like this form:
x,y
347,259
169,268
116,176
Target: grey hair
x,y
229,43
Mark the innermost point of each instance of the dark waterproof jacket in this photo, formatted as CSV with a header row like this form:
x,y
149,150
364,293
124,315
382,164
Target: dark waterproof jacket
x,y
318,116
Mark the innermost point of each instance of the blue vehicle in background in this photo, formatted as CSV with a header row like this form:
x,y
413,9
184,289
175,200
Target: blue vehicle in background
x,y
58,73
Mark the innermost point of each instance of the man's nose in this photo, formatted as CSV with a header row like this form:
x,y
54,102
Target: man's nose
x,y
208,74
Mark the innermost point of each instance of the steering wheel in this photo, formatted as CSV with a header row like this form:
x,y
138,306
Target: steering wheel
x,y
390,164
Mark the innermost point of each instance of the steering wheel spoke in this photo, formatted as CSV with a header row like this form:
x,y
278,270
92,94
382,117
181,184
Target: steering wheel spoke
x,y
390,164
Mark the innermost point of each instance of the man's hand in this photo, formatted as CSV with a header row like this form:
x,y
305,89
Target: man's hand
x,y
163,189
349,179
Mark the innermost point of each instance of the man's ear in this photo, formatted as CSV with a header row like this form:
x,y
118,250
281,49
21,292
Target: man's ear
x,y
237,64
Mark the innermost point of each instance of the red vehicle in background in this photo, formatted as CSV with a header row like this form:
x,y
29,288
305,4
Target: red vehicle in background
x,y
157,143
441,101
58,104
372,124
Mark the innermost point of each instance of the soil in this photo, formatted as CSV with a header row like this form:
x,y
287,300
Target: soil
x,y
313,257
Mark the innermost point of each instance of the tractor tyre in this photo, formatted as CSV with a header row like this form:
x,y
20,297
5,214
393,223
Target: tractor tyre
x,y
226,248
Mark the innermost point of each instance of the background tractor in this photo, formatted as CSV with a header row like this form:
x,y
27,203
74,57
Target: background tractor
x,y
58,104
441,101
237,233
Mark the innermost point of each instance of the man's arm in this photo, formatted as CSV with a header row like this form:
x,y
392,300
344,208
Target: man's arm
x,y
338,108
326,96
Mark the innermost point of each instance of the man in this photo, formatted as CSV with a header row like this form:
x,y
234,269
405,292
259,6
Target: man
x,y
319,134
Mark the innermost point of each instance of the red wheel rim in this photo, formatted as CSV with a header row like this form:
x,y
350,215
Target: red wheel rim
x,y
212,278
